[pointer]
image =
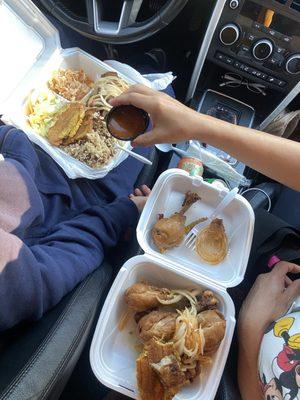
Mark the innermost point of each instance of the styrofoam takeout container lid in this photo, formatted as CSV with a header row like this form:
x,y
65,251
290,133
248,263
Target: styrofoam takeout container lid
x,y
166,198
33,51
113,352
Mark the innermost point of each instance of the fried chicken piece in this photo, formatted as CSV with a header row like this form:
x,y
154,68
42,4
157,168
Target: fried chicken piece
x,y
211,242
206,301
169,232
67,122
141,296
85,127
157,324
213,325
149,385
165,361
192,373
170,373
157,350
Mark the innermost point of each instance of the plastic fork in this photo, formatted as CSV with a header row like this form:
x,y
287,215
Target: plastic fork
x,y
190,239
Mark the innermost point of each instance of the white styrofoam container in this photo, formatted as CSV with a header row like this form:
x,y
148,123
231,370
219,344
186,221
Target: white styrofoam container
x,y
167,196
113,353
37,52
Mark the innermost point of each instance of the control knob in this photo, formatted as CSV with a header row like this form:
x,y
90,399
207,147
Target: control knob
x,y
229,34
293,64
262,49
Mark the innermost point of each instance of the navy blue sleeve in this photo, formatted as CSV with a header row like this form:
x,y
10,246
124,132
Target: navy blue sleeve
x,y
34,279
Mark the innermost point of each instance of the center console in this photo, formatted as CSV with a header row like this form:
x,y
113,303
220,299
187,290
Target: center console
x,y
248,66
261,40
256,42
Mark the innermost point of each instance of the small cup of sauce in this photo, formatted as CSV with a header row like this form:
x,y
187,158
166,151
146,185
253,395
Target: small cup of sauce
x,y
126,122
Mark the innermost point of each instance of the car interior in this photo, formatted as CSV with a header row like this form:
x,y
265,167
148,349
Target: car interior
x,y
237,60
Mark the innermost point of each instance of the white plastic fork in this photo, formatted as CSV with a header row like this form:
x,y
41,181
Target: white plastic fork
x,y
190,238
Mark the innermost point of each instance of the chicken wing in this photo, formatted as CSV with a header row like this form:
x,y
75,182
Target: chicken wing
x,y
206,301
157,324
142,297
169,232
213,325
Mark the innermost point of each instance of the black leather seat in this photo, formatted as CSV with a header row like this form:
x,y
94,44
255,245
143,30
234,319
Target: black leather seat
x,y
37,359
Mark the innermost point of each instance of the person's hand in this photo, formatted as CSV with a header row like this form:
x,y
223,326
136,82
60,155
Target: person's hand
x,y
172,121
270,297
140,197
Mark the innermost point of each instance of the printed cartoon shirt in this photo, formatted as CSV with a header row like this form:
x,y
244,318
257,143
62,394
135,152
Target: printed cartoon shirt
x,y
279,359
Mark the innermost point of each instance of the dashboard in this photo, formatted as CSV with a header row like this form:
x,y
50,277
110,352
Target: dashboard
x,y
260,39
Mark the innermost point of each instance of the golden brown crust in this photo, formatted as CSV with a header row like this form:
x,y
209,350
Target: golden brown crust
x,y
67,122
213,325
157,324
142,297
149,385
168,233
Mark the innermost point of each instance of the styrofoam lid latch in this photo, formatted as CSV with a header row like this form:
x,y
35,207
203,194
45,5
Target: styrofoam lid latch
x,y
26,37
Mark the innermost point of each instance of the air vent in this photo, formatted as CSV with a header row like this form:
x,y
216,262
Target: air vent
x,y
295,5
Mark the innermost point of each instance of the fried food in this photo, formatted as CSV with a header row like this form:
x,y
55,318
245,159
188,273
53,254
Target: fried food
x,y
148,383
85,127
211,242
206,301
213,325
141,296
169,232
72,85
157,324
67,122
176,343
97,147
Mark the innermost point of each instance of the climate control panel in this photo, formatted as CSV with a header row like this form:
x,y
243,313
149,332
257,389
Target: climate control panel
x,y
259,40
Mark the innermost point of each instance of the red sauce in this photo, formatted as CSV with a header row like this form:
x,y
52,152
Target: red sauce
x,y
126,122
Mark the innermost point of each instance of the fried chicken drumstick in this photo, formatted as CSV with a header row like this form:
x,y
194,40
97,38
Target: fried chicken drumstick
x,y
169,232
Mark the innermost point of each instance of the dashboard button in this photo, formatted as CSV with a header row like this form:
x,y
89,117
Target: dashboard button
x,y
220,56
229,34
280,83
272,32
264,76
234,4
236,64
271,79
262,49
280,50
228,60
257,26
250,37
293,64
286,39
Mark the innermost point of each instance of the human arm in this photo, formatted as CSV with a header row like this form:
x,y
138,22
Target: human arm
x,y
35,278
173,122
269,298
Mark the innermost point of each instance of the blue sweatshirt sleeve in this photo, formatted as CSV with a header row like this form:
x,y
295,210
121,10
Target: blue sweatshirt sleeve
x,y
34,279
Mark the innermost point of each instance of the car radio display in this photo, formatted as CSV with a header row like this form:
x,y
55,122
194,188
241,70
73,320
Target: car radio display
x,y
270,19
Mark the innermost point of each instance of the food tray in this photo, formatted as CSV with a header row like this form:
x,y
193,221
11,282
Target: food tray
x,y
113,352
238,218
31,71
